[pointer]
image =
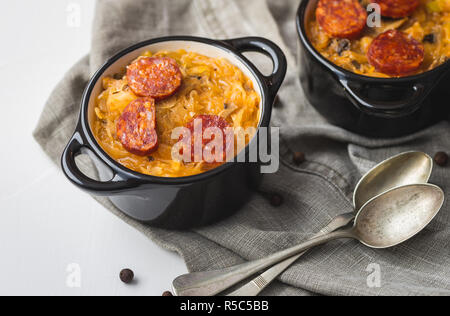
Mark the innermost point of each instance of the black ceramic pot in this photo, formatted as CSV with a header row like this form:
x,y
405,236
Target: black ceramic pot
x,y
175,202
374,107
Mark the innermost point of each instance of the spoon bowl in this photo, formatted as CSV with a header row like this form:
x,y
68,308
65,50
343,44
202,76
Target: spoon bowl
x,y
397,215
406,168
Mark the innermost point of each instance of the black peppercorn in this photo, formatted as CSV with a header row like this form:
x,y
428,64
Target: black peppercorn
x,y
299,158
126,276
276,200
441,159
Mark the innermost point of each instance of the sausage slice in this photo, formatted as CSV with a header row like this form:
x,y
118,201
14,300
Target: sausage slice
x,y
209,121
156,77
341,18
397,8
136,127
396,53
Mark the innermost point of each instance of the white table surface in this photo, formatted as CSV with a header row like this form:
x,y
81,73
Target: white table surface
x,y
47,224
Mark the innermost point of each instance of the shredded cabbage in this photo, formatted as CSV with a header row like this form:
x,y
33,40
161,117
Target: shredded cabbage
x,y
210,86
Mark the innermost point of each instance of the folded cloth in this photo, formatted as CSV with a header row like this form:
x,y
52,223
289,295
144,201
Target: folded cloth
x,y
313,192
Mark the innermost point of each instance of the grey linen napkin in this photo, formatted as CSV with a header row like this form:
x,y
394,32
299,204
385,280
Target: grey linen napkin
x,y
313,192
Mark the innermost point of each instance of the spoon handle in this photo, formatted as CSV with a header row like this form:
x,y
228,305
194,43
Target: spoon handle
x,y
214,282
258,284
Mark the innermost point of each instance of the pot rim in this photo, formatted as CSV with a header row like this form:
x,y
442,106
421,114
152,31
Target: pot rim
x,y
117,168
342,72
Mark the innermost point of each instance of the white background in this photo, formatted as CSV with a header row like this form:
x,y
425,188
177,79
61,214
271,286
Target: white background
x,y
46,223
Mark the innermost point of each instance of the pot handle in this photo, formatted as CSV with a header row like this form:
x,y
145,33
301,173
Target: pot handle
x,y
76,176
270,49
390,109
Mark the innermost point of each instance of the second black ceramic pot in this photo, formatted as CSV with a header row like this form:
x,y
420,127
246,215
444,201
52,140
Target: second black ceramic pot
x,y
376,107
176,203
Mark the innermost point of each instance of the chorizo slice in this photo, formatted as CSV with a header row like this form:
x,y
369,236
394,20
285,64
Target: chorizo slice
x,y
209,121
341,18
136,127
396,53
397,8
156,77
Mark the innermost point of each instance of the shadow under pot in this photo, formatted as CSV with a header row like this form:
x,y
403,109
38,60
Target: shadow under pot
x,y
375,107
176,203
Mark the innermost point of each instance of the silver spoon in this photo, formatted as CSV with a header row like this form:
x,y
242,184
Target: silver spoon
x,y
406,168
402,169
385,221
